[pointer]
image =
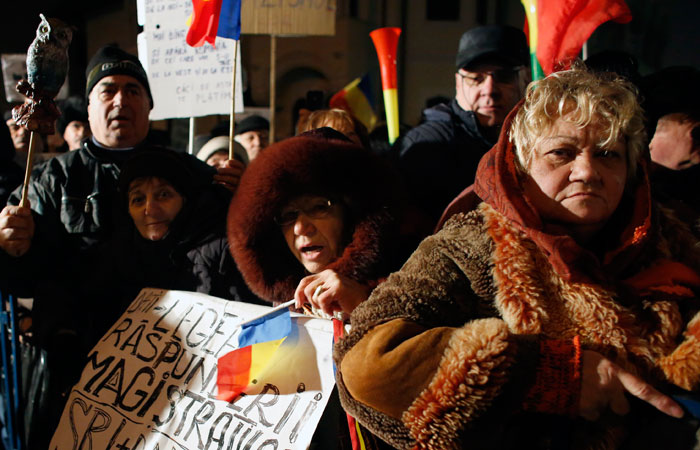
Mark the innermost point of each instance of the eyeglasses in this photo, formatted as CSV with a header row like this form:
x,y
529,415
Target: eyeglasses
x,y
315,209
501,76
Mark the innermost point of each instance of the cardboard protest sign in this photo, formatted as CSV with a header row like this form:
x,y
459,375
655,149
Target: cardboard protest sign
x,y
185,81
150,382
288,17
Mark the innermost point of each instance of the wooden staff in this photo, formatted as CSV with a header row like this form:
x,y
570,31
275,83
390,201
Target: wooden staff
x,y
232,122
273,69
190,143
267,313
28,171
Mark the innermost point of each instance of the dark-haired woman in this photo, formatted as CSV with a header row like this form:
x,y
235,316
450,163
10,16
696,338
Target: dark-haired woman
x,y
170,236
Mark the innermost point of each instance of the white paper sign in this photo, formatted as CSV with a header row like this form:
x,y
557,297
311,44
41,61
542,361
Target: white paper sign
x,y
150,382
185,81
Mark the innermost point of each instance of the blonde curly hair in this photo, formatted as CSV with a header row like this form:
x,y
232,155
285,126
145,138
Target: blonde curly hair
x,y
582,98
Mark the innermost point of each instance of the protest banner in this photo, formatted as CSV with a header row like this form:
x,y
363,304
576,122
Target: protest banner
x,y
288,17
185,81
150,382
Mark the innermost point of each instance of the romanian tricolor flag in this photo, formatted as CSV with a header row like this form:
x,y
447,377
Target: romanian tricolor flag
x,y
355,98
212,18
257,344
557,29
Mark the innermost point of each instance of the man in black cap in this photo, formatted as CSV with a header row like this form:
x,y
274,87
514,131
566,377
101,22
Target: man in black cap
x,y
72,198
253,134
439,157
73,123
72,194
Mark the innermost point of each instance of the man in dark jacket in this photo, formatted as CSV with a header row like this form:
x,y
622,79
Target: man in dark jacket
x,y
438,158
72,197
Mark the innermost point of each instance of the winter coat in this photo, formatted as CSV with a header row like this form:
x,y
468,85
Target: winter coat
x,y
476,342
438,158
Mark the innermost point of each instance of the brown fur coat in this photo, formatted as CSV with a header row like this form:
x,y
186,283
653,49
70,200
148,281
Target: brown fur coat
x,y
476,342
443,354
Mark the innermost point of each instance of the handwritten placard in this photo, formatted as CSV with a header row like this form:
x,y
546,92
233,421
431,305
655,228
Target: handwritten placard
x,y
150,383
185,81
288,17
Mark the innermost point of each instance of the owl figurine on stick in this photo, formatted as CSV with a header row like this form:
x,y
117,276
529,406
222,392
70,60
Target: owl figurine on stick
x,y
47,66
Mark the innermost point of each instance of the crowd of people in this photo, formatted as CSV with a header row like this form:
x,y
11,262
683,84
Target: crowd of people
x,y
521,269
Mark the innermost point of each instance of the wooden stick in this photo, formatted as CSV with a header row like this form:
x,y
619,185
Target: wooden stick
x,y
273,70
28,171
191,140
232,124
267,313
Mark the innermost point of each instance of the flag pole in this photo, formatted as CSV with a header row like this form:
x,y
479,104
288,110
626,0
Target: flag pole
x,y
267,313
232,122
273,69
531,16
191,140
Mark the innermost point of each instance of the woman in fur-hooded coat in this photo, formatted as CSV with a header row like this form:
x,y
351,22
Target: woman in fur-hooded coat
x,y
324,163
500,330
320,162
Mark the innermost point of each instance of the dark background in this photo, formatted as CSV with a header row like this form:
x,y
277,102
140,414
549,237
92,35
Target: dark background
x,y
662,32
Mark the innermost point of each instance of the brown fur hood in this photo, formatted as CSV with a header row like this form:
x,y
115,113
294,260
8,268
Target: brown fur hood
x,y
312,164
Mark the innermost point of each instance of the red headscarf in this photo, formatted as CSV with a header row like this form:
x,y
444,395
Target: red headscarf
x,y
497,184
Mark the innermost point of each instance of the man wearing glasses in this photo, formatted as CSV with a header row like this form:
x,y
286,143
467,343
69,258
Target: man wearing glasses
x,y
439,157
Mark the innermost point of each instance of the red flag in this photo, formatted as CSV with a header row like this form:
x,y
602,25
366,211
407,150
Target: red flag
x,y
564,25
205,22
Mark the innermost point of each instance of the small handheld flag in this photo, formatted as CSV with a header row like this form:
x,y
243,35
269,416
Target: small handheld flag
x,y
212,18
257,344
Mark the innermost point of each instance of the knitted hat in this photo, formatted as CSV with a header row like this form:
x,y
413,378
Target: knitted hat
x,y
499,42
252,123
111,60
72,109
674,89
157,162
219,144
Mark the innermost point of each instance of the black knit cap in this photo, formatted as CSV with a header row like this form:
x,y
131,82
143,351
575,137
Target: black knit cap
x,y
493,42
72,109
157,162
252,123
111,60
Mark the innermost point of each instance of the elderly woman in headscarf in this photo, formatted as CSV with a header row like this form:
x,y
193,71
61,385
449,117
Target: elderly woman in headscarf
x,y
321,226
169,235
553,310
